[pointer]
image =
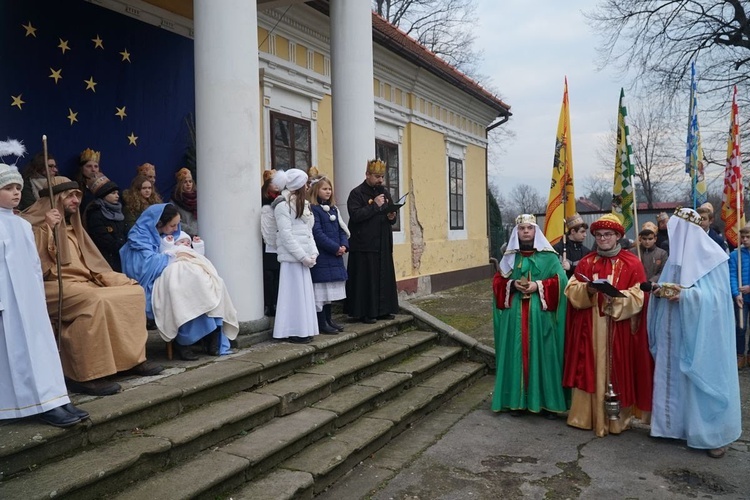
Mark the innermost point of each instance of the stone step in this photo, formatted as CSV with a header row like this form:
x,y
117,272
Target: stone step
x,y
25,444
331,458
307,444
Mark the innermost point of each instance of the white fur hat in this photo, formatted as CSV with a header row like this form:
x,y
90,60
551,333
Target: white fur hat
x,y
279,180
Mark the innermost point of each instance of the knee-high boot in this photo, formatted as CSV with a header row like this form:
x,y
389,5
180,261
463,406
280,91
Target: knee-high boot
x,y
327,311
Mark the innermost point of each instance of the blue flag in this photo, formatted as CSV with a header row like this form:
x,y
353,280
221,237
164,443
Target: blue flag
x,y
88,77
694,164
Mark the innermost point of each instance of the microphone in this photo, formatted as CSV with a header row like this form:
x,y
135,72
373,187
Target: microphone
x,y
648,286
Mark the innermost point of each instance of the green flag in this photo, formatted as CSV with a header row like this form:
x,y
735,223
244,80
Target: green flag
x,y
622,192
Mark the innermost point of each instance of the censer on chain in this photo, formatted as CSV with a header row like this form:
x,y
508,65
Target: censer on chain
x,y
611,401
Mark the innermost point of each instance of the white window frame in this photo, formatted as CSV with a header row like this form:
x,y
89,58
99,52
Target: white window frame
x,y
394,133
456,151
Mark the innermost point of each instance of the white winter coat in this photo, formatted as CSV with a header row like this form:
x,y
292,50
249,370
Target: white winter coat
x,y
294,239
268,227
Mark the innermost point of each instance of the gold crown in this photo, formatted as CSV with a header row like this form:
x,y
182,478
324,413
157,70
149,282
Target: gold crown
x,y
376,166
89,154
525,219
688,214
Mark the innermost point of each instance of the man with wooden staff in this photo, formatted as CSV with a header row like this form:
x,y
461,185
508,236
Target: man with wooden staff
x,y
740,284
103,312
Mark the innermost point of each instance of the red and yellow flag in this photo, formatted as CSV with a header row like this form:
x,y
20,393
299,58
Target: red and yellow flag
x,y
562,198
731,210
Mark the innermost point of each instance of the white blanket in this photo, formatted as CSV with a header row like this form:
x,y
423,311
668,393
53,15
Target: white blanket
x,y
188,287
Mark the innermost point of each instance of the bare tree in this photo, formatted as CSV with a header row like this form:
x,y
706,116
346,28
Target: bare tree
x,y
654,41
525,199
598,188
657,155
445,27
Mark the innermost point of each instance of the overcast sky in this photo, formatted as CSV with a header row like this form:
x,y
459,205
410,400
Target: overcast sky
x,y
529,48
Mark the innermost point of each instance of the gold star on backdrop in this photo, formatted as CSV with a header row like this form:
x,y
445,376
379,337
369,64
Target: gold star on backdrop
x,y
30,30
121,113
132,138
17,100
72,116
125,55
63,45
56,75
90,84
98,42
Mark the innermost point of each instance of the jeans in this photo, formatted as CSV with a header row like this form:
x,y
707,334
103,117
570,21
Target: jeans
x,y
740,332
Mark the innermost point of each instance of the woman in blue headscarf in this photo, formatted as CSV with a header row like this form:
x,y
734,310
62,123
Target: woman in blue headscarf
x,y
184,294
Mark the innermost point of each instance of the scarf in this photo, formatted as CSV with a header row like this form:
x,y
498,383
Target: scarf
x,y
609,253
189,202
110,211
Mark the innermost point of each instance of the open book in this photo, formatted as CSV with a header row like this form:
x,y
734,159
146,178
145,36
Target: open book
x,y
602,285
393,207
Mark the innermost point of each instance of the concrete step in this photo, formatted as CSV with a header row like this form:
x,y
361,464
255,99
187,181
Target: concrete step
x,y
25,444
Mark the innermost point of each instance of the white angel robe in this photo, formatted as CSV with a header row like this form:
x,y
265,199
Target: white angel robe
x,y
31,377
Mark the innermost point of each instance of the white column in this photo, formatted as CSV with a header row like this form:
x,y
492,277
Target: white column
x,y
227,113
351,93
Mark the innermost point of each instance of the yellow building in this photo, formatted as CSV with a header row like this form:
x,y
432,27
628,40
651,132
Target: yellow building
x,y
430,128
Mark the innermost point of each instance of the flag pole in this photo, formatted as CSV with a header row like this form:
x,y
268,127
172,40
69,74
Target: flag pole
x,y
739,256
56,239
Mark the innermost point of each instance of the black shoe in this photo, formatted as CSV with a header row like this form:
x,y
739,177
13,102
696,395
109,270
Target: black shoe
x,y
323,326
184,352
368,321
549,415
58,417
150,324
97,387
299,340
327,311
516,413
387,316
146,369
270,311
214,342
76,412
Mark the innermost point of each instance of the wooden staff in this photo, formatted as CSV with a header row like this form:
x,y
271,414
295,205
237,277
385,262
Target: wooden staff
x,y
56,238
739,254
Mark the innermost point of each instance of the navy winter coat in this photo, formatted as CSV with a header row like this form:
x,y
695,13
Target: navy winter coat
x,y
328,238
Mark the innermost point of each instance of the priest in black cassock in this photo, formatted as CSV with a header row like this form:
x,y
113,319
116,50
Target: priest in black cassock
x,y
371,288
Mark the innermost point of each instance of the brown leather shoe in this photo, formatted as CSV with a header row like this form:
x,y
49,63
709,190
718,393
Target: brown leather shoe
x,y
718,452
146,369
741,362
96,387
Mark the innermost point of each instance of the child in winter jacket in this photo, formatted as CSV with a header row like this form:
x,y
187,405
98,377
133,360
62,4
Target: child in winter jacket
x,y
331,237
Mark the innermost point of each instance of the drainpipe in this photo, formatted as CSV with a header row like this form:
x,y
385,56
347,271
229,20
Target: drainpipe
x,y
487,130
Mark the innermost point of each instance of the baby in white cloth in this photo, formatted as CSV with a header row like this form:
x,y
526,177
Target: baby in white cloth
x,y
171,246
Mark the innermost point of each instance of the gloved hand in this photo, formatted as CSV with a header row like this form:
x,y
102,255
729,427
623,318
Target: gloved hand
x,y
308,262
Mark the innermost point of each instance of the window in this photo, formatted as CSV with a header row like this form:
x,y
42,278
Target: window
x,y
456,187
290,145
388,152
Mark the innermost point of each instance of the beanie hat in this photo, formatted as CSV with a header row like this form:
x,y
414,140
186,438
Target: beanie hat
x,y
609,221
279,179
9,175
296,178
101,186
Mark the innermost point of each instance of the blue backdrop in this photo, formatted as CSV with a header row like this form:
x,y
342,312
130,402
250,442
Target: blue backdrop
x,y
88,77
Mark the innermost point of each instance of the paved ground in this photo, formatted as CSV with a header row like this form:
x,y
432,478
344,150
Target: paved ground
x,y
483,455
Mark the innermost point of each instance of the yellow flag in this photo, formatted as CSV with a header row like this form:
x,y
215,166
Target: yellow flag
x,y
562,198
